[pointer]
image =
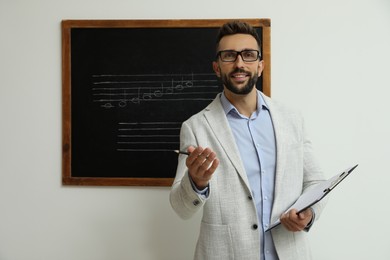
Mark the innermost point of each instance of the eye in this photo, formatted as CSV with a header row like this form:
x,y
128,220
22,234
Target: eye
x,y
228,54
249,54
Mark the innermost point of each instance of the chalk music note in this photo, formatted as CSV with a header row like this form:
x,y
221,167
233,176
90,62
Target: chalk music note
x,y
179,86
147,95
190,83
158,92
136,100
107,105
169,90
123,102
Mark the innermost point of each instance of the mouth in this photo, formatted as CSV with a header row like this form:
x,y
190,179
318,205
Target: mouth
x,y
239,76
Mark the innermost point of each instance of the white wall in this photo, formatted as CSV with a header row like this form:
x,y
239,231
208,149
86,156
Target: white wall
x,y
330,59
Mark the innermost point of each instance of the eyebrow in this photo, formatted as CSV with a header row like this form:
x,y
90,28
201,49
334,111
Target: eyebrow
x,y
246,49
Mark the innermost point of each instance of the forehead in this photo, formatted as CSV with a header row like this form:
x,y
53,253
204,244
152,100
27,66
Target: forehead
x,y
238,42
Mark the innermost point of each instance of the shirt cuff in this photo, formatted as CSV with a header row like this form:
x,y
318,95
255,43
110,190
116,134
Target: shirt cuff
x,y
310,224
204,193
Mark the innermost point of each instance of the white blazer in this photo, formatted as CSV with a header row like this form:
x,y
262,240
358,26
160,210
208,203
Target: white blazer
x,y
227,229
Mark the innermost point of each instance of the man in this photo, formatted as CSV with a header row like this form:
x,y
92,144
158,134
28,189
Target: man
x,y
249,160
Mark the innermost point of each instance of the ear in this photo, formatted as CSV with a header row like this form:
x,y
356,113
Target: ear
x,y
260,68
216,69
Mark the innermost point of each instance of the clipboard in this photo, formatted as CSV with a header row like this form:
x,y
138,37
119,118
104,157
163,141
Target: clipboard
x,y
315,194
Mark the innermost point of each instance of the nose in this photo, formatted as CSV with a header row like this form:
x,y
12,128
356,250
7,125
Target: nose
x,y
239,61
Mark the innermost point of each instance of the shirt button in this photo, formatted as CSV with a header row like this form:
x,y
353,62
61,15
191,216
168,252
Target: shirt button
x,y
196,202
254,226
250,197
265,198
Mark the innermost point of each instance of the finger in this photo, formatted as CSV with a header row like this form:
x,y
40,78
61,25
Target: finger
x,y
302,216
287,216
206,158
211,168
284,219
208,165
289,220
291,226
306,214
214,166
190,149
293,216
295,223
205,154
201,160
193,156
292,213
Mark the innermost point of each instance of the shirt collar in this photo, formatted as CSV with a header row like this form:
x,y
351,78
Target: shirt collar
x,y
227,106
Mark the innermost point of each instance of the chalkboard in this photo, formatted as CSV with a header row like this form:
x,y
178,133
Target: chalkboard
x,y
127,87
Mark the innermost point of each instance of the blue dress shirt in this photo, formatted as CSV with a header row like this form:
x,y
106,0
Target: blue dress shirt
x,y
255,139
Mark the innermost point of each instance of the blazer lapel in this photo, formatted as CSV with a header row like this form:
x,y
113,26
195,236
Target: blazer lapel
x,y
280,135
216,118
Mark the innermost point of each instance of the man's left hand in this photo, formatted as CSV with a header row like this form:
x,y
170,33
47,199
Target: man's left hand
x,y
296,222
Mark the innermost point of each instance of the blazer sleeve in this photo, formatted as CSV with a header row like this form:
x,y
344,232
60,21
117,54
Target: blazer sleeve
x,y
184,200
312,172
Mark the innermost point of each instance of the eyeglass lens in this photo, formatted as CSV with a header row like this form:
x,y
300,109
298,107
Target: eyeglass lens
x,y
246,55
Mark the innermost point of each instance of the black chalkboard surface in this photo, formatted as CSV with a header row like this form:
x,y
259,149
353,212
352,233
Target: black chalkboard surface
x,y
127,87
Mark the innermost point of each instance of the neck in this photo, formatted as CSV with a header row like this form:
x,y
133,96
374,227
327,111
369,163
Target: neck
x,y
245,104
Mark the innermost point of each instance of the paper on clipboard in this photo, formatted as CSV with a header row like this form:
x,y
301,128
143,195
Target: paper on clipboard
x,y
315,194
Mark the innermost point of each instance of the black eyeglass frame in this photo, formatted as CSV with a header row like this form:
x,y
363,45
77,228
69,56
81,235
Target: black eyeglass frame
x,y
258,56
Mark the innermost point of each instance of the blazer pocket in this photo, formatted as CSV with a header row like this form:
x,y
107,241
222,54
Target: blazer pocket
x,y
215,242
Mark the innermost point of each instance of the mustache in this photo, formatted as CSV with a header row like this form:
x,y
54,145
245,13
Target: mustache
x,y
239,70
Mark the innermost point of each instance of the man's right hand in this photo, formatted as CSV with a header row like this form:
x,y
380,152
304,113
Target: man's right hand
x,y
201,164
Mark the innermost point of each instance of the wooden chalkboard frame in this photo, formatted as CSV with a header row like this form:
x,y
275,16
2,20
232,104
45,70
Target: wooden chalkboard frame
x,y
67,25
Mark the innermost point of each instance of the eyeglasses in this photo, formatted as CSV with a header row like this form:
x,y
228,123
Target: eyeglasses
x,y
246,55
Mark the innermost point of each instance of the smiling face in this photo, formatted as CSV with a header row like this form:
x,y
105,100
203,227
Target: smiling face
x,y
238,77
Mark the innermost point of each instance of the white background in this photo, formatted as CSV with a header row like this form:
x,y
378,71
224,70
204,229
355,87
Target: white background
x,y
330,59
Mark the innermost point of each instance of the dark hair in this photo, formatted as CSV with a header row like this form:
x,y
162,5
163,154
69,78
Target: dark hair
x,y
236,27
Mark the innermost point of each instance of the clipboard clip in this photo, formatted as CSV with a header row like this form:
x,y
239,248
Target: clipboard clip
x,y
334,184
339,179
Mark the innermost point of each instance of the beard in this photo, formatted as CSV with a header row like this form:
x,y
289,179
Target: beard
x,y
227,82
